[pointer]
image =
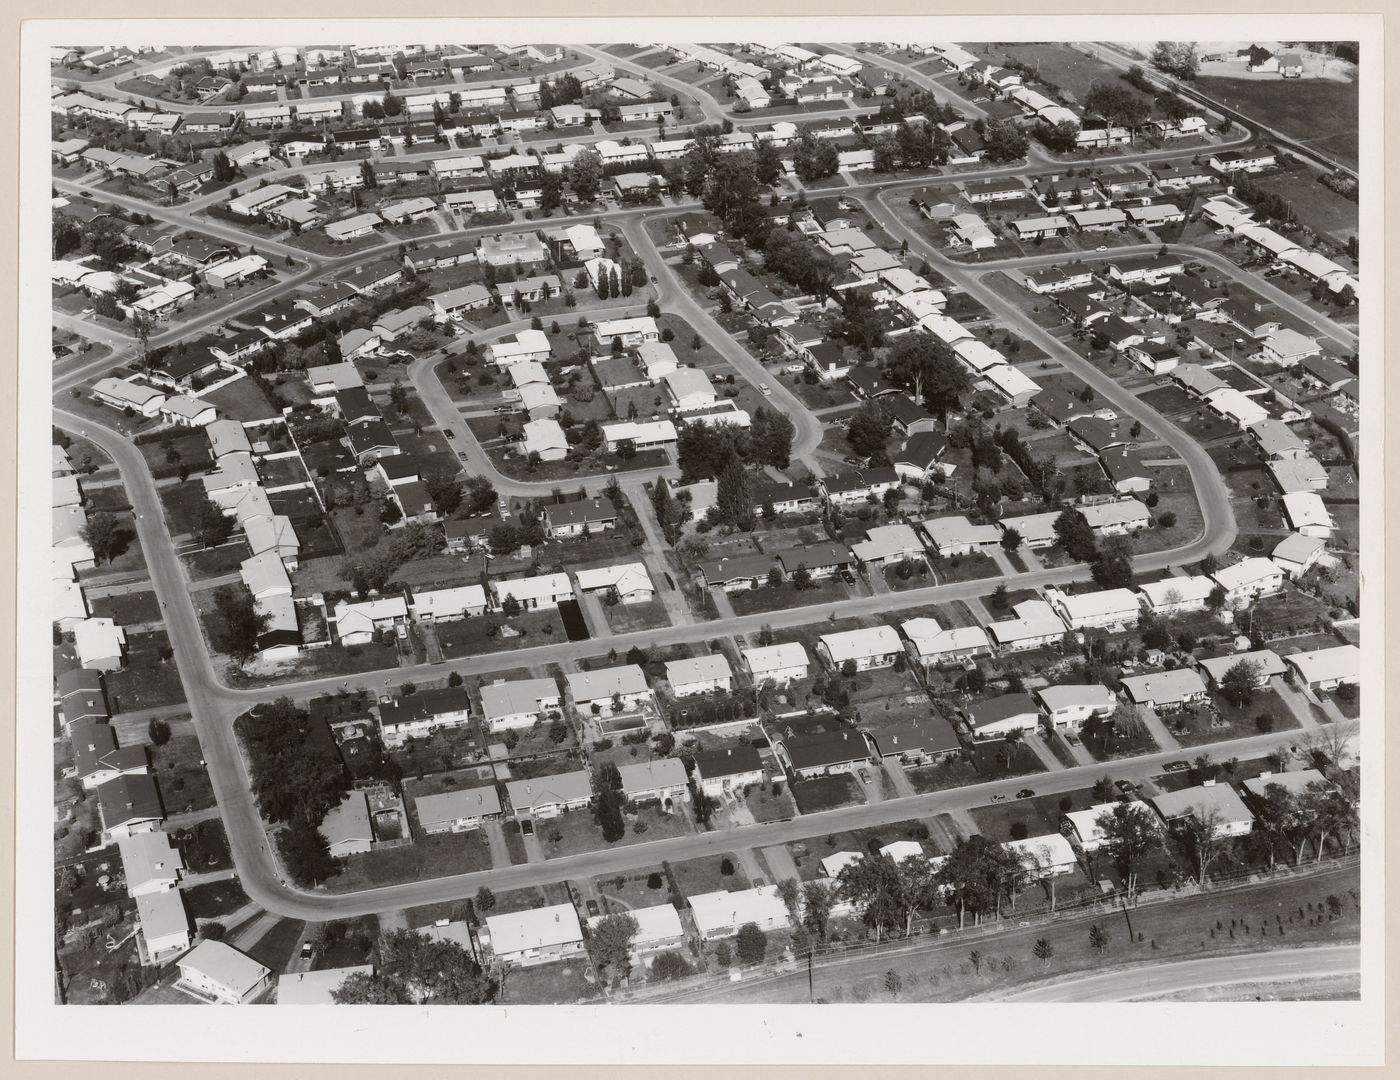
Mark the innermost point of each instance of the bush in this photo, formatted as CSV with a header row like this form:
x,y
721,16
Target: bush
x,y
159,731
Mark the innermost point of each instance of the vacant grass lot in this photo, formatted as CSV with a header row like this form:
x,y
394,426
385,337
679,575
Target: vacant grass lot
x,y
184,782
826,793
1019,818
1319,112
576,831
275,948
706,875
149,679
215,900
428,857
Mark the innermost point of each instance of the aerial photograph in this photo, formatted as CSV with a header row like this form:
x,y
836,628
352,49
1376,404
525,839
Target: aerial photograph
x,y
750,523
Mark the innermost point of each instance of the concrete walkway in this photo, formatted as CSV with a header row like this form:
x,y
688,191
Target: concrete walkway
x,y
495,836
253,932
722,604
592,609
748,862
194,817
780,863
1165,739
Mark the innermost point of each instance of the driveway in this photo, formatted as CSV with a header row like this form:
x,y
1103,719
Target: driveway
x,y
1298,704
495,835
1164,738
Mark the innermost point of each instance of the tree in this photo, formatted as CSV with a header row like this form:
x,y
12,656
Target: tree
x,y
1239,682
429,971
734,494
1010,539
444,489
213,526
669,965
369,989
1130,835
751,944
608,802
1043,951
868,430
814,158
817,902
1076,536
1176,58
1005,141
479,496
510,606
305,853
1061,138
1204,839
801,577
976,874
1117,105
237,624
585,174
1215,601
103,534
923,365
1098,940
484,902
610,945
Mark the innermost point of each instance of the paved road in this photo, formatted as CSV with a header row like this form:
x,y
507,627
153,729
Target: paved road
x,y
713,113
1211,493
1139,981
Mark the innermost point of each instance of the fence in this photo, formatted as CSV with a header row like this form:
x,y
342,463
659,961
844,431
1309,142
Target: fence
x,y
928,934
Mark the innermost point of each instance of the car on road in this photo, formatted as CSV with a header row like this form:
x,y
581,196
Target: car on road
x,y
1127,787
462,454
764,389
1101,247
449,434
504,410
1025,793
1175,766
998,797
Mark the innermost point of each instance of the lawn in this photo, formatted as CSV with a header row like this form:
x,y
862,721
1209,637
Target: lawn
x,y
242,400
575,832
1231,722
627,618
1104,744
826,793
955,772
204,846
996,760
564,982
1018,818
697,876
346,942
215,900
184,782
770,802
275,948
622,892
967,568
756,601
148,680
1319,112
425,858
128,609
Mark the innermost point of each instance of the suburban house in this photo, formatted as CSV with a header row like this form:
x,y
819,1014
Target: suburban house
x,y
738,573
1249,579
658,928
165,925
870,647
1266,664
518,703
534,593
129,804
1067,706
721,914
934,644
357,623
956,535
886,545
994,718
1175,595
150,862
699,675
1326,669
420,713
858,485
316,987
1034,624
449,605
662,781
534,936
629,583
1084,828
97,758
605,689
579,518
457,811
346,828
824,753
780,664
1045,856
916,740
1164,689
1103,608
550,796
1296,554
219,973
729,769
1220,801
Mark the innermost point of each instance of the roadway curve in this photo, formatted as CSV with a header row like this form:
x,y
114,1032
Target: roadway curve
x,y
1148,980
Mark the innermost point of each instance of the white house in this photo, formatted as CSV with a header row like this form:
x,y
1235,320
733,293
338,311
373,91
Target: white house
x,y
936,645
1034,624
1249,579
1232,816
220,973
1165,689
661,780
150,862
165,925
699,675
868,647
1045,856
780,664
721,914
1106,607
533,593
550,796
1173,595
100,644
546,438
457,811
629,582
518,703
658,927
1296,554
447,605
1326,669
346,826
534,936
1084,824
1308,514
357,623
1067,706
601,689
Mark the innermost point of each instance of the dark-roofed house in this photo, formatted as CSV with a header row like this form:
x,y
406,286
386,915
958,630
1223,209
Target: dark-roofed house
x,y
96,756
79,696
909,418
920,456
823,560
789,498
994,718
916,740
728,769
129,804
423,712
370,440
579,517
825,753
738,573
856,485
1125,469
868,383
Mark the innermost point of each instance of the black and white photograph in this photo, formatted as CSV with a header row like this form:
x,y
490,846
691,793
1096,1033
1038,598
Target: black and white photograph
x,y
553,523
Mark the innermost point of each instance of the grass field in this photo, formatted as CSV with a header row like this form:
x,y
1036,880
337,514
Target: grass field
x,y
184,782
1318,207
428,857
1321,113
275,948
826,793
215,900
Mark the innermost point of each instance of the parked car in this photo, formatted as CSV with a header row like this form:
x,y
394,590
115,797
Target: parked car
x,y
306,950
449,434
1025,793
998,798
1175,766
864,776
848,577
1127,787
592,907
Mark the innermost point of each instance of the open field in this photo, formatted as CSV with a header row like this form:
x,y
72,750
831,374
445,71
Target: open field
x,y
1322,113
